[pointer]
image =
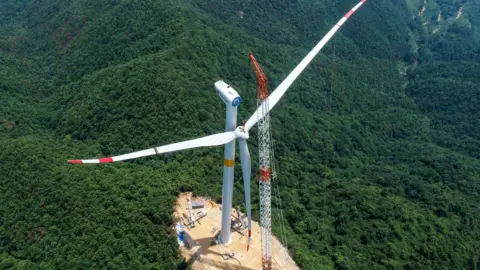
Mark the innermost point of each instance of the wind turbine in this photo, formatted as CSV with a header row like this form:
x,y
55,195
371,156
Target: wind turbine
x,y
232,99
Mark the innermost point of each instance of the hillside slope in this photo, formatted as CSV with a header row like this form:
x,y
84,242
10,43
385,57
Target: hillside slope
x,y
371,174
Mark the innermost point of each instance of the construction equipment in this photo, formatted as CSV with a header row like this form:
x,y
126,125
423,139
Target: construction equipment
x,y
265,150
213,204
198,203
264,154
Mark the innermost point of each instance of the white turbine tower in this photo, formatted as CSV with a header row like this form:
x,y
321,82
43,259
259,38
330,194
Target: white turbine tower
x,y
231,98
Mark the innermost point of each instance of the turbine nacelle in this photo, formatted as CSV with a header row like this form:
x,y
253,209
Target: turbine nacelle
x,y
228,94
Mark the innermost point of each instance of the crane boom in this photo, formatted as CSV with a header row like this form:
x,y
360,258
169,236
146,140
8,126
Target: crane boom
x,y
262,81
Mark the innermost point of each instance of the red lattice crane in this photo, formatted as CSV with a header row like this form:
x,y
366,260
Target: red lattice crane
x,y
264,154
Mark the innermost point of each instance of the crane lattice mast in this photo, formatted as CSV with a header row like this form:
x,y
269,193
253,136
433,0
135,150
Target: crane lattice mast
x,y
264,154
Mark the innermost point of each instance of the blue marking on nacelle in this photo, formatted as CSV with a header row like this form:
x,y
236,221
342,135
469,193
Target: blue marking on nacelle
x,y
236,101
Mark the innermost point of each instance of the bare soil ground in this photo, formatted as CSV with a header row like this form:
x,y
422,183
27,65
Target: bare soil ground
x,y
200,251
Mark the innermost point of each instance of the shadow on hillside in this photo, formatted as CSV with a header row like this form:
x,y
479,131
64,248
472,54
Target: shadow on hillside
x,y
221,261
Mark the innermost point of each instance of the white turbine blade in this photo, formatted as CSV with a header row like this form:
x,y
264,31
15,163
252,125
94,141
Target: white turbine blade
x,y
212,140
283,87
247,171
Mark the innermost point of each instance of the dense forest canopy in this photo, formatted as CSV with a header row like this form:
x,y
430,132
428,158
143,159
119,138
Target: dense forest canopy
x,y
376,143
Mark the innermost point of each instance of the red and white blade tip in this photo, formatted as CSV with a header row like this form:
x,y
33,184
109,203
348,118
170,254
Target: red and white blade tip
x,y
249,239
99,160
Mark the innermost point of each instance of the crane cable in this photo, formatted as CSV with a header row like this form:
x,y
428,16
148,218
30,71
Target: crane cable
x,y
275,184
276,195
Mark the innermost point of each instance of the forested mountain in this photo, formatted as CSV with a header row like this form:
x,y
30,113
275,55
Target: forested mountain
x,y
376,144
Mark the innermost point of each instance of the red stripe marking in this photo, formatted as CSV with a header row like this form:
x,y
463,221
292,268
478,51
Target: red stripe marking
x,y
249,233
75,161
349,14
264,174
363,1
106,160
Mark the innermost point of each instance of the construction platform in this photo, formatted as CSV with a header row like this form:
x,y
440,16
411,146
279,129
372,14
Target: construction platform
x,y
202,252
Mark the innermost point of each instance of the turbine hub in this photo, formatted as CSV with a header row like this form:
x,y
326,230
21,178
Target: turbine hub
x,y
242,133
